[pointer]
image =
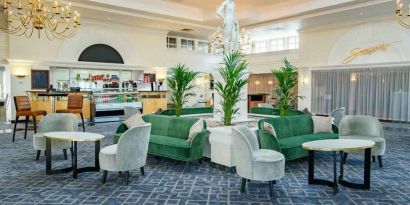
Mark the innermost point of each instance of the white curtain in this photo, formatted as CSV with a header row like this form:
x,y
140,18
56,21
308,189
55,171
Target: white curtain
x,y
379,92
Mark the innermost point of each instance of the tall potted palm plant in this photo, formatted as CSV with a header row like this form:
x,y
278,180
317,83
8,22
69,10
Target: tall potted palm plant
x,y
180,84
234,79
287,80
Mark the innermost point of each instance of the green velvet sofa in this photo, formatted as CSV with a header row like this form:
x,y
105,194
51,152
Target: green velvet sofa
x,y
189,111
273,111
168,137
292,132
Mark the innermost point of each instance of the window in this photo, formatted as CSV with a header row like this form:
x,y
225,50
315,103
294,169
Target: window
x,y
203,46
277,45
260,46
171,42
187,44
293,42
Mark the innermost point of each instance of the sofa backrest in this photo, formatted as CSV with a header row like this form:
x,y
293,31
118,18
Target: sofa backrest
x,y
290,126
273,111
170,126
189,111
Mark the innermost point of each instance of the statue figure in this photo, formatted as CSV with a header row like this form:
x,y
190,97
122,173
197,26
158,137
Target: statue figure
x,y
227,12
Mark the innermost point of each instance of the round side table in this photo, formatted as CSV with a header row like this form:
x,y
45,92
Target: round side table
x,y
74,137
339,145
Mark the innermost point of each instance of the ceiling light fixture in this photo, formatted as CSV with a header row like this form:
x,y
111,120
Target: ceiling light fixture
x,y
403,19
23,17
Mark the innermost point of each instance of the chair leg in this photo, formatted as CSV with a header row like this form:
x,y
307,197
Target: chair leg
x,y
271,190
38,155
344,158
379,158
82,120
200,161
187,166
65,154
35,124
127,175
25,127
243,185
142,171
104,178
374,158
15,126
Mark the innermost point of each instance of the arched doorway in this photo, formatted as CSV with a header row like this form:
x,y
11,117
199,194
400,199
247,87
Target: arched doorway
x,y
101,53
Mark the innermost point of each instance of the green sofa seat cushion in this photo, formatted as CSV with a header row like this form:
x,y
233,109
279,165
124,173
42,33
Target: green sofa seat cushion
x,y
169,141
297,141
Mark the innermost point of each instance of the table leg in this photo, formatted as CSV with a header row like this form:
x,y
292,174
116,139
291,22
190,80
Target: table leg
x,y
335,186
75,160
48,156
97,158
311,166
311,170
366,177
367,167
341,153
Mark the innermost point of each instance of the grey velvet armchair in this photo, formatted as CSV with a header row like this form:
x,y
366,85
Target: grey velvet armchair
x,y
253,163
59,122
365,128
337,115
129,154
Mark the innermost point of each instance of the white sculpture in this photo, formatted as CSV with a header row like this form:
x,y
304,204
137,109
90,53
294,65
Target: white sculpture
x,y
227,12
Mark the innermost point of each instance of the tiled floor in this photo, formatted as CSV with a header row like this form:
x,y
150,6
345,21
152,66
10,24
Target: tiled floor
x,y
23,179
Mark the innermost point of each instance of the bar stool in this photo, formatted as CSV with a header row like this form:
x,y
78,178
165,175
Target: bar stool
x,y
75,106
23,108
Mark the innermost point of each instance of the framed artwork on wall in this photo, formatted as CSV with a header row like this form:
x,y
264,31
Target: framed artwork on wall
x,y
40,79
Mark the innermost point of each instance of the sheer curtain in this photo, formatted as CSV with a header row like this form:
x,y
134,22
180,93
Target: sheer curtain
x,y
380,92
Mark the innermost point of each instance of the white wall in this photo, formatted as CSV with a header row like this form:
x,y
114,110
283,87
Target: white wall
x,y
140,48
329,45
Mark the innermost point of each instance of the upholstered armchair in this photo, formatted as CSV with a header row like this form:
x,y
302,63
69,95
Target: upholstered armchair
x,y
129,154
337,115
365,128
253,163
59,122
130,111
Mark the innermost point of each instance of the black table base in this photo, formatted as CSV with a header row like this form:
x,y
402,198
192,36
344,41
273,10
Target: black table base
x,y
336,181
73,168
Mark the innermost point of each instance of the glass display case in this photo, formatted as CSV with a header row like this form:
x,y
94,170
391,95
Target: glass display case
x,y
108,104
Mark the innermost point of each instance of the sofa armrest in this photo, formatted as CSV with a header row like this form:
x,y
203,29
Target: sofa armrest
x,y
268,141
121,128
197,144
335,129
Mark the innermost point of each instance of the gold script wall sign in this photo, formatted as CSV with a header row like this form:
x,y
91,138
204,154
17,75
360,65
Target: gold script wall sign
x,y
357,52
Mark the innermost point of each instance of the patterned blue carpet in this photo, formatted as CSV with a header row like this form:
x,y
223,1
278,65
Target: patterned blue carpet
x,y
23,179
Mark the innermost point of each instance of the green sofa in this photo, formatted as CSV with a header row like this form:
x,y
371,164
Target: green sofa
x,y
189,111
168,137
272,111
292,132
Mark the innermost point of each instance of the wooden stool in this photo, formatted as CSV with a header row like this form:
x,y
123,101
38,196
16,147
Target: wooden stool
x,y
75,106
23,108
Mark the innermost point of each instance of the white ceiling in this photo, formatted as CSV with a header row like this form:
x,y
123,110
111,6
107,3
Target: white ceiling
x,y
265,17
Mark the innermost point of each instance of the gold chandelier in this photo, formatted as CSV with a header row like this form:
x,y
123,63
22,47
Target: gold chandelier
x,y
23,17
216,43
403,19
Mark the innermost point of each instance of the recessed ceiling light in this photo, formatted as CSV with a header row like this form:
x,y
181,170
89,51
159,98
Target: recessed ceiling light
x,y
186,30
275,28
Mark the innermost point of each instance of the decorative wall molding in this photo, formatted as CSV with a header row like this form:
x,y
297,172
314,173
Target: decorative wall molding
x,y
368,36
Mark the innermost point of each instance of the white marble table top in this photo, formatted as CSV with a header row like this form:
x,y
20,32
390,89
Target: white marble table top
x,y
74,136
338,144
